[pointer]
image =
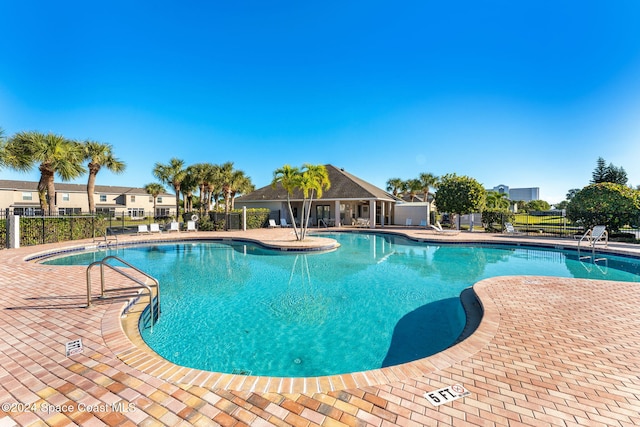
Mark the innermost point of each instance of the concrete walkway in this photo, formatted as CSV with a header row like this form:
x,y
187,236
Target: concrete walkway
x,y
548,351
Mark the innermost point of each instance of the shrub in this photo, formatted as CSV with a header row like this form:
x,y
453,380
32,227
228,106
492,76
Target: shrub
x,y
613,205
493,219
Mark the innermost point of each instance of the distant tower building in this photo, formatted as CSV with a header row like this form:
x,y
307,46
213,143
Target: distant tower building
x,y
518,194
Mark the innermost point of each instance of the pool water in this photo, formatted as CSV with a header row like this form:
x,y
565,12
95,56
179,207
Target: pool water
x,y
376,301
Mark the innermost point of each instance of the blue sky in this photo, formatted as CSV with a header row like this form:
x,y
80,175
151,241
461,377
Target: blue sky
x,y
526,93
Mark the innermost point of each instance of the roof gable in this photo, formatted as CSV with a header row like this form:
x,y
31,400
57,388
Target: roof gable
x,y
344,186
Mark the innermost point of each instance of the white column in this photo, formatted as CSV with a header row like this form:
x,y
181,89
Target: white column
x,y
244,218
382,209
14,231
372,214
337,209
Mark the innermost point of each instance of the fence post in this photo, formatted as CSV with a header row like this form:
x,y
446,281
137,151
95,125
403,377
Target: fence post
x,y
13,231
244,218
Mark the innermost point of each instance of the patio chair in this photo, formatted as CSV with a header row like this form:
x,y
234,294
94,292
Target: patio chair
x,y
408,222
272,223
283,223
438,228
154,228
142,228
191,226
509,229
173,226
423,223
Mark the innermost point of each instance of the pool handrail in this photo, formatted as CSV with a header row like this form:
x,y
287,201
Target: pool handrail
x,y
142,285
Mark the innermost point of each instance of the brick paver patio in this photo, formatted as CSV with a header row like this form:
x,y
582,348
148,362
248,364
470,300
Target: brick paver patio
x,y
548,351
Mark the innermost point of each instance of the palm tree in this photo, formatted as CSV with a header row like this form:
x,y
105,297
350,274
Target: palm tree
x,y
314,179
413,187
226,181
241,185
172,174
497,200
188,186
55,155
154,190
395,185
99,155
289,178
2,149
428,181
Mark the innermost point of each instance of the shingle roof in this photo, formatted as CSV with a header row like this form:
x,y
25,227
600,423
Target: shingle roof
x,y
6,184
344,186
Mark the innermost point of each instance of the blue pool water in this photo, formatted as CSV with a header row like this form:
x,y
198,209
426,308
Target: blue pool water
x,y
376,301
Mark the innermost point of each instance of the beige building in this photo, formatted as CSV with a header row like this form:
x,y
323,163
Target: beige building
x,y
22,198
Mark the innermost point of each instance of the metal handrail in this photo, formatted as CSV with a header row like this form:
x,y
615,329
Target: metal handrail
x,y
102,263
106,236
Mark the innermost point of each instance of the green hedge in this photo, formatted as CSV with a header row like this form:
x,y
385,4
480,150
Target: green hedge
x,y
39,230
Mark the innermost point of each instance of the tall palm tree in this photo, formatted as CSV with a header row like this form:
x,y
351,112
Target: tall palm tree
x,y
55,154
427,182
213,185
154,189
289,178
395,185
188,186
315,179
2,147
413,187
172,174
241,185
497,200
99,154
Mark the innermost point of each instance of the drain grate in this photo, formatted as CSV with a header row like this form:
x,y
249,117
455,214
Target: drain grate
x,y
239,371
74,347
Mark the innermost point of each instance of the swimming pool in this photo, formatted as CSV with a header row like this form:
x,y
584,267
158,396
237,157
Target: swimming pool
x,y
378,300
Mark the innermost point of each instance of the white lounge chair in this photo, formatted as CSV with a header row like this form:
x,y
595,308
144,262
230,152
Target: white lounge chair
x,y
438,228
509,229
272,223
191,226
283,223
154,228
173,226
597,234
142,228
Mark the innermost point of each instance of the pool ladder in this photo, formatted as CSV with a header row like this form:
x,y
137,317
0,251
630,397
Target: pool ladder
x,y
154,302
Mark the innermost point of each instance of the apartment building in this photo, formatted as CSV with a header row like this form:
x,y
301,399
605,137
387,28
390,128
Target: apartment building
x,y
22,198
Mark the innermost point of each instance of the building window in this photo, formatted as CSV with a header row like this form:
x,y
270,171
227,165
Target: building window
x,y
65,197
159,199
150,199
111,212
161,212
27,196
69,211
133,198
103,197
135,212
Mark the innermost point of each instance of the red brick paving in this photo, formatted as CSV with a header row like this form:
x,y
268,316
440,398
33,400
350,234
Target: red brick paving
x,y
549,351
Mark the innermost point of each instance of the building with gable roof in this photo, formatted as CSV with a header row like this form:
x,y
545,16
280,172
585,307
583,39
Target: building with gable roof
x,y
348,200
22,198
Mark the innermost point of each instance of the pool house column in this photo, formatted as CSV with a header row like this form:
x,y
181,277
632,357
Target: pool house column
x,y
372,213
336,209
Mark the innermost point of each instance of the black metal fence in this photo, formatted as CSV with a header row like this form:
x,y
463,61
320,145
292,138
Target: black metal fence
x,y
548,224
40,229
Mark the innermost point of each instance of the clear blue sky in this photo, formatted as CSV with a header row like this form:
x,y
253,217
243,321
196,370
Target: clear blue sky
x,y
522,93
